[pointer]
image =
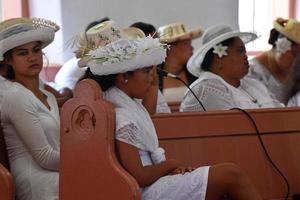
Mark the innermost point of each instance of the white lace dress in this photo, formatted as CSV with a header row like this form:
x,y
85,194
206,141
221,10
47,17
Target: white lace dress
x,y
31,133
261,73
294,100
217,94
134,126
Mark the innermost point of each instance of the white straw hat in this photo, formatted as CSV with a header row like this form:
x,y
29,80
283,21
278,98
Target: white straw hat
x,y
126,55
18,31
100,35
211,37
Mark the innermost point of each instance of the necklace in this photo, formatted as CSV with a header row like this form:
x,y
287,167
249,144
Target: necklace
x,y
252,98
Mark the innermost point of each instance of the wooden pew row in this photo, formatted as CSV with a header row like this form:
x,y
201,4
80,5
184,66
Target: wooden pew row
x,y
208,138
89,168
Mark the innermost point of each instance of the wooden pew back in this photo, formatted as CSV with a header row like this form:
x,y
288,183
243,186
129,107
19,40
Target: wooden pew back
x,y
209,138
89,168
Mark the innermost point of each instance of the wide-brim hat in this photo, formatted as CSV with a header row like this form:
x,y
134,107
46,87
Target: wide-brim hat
x,y
18,31
177,31
289,28
100,35
211,37
126,55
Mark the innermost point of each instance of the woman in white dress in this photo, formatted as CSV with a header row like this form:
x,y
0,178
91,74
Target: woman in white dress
x,y
124,69
29,114
221,65
273,67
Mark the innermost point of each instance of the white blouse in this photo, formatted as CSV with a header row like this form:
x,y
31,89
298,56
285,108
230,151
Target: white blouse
x,y
31,133
216,94
262,74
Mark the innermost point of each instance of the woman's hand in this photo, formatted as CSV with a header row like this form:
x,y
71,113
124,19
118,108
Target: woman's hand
x,y
182,170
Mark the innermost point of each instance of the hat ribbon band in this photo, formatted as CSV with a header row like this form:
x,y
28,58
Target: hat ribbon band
x,y
15,30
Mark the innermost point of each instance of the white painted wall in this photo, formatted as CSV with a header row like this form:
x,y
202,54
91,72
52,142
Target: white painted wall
x,y
74,15
50,10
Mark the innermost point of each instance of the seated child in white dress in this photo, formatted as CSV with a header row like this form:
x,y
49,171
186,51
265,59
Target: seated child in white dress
x,y
123,68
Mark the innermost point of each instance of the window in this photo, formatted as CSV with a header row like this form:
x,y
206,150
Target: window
x,y
257,16
13,8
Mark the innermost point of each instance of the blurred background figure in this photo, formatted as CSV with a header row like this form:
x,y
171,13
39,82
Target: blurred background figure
x,y
69,73
274,66
180,40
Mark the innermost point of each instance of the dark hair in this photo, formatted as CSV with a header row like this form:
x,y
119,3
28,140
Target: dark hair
x,y
105,81
293,85
274,35
208,58
146,28
93,23
10,73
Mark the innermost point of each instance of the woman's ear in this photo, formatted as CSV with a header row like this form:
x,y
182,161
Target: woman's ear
x,y
122,78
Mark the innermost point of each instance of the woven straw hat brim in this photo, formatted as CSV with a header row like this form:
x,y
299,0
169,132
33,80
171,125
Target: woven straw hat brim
x,y
44,35
196,33
293,35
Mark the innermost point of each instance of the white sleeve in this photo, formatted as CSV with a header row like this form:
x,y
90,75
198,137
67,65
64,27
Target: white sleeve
x,y
23,115
213,94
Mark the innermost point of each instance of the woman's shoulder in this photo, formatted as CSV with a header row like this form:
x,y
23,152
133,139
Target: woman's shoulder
x,y
209,80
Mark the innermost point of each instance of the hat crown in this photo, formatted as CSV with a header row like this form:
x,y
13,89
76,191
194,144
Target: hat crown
x,y
214,32
171,30
102,34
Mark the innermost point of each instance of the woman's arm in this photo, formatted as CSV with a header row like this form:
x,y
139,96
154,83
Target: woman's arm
x,y
145,175
23,115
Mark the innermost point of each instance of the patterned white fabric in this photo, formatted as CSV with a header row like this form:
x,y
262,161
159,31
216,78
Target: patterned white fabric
x,y
138,118
162,106
295,100
217,94
134,126
261,73
31,133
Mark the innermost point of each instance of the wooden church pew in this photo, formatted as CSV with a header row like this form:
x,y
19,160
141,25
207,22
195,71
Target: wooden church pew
x,y
89,168
206,138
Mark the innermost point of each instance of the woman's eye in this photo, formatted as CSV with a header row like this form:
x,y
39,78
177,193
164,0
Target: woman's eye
x,y
36,50
22,53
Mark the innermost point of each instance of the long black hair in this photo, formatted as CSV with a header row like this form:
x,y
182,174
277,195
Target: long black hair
x,y
105,81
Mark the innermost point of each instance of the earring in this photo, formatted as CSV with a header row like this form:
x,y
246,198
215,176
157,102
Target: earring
x,y
126,80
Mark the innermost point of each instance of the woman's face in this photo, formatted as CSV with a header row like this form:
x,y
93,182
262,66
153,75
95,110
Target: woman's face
x,y
235,65
285,61
184,49
139,82
27,59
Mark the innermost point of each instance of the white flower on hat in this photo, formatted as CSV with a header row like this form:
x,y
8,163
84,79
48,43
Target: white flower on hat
x,y
220,50
283,45
126,55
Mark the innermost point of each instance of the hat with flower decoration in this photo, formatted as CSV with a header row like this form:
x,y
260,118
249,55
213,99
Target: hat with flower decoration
x,y
210,38
130,52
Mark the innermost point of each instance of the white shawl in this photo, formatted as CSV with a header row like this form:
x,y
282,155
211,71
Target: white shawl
x,y
131,113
